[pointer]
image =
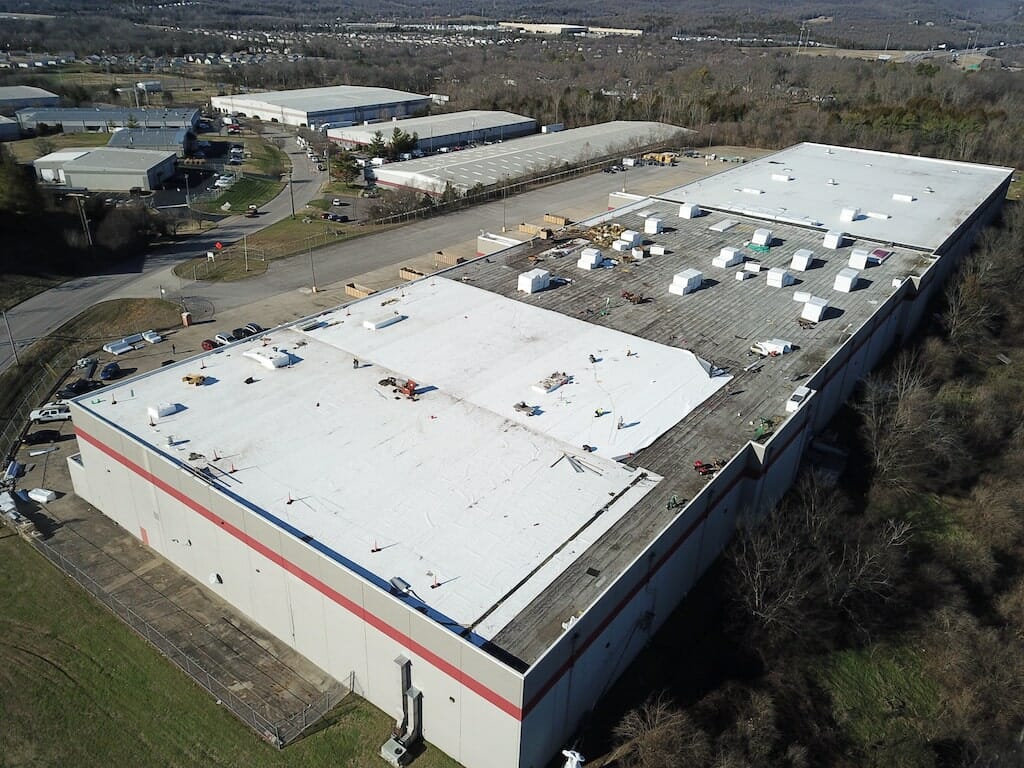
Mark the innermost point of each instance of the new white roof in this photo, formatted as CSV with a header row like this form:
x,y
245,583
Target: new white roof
x,y
61,156
491,164
434,125
933,197
457,486
327,99
114,159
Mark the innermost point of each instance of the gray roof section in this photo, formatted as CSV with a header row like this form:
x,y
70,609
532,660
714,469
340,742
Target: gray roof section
x,y
904,199
513,159
22,92
434,125
102,114
112,160
140,138
326,99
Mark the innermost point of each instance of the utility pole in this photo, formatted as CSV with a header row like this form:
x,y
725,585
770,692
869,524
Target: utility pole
x,y
311,270
83,217
10,337
291,193
245,251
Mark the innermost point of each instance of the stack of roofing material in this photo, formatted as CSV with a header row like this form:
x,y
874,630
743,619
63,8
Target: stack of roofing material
x,y
846,280
834,239
689,211
814,309
859,258
535,280
590,258
728,257
652,225
778,277
802,260
687,281
762,237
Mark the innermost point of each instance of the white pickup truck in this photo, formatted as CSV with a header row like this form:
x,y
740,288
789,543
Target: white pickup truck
x,y
51,412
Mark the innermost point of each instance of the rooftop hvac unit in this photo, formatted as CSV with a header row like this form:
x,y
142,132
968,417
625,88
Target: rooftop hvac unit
x,y
656,250
161,410
621,245
859,258
689,211
652,226
779,278
590,258
637,253
687,281
728,257
834,239
814,309
535,280
376,324
849,214
802,260
268,358
762,237
631,236
846,280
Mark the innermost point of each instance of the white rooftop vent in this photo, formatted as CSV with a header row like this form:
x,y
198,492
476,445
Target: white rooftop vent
x,y
652,225
779,278
590,258
535,280
902,198
846,280
689,211
728,257
781,177
762,237
752,191
832,182
834,239
268,358
687,281
802,260
160,410
631,236
878,215
656,250
814,309
849,214
376,324
724,225
859,258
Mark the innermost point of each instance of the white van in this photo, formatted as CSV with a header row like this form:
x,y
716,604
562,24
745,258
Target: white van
x,y
51,412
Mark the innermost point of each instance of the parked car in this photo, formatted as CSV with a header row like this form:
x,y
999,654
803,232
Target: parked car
x,y
43,435
336,201
51,412
224,338
241,333
110,371
88,366
255,328
252,211
235,161
209,344
79,387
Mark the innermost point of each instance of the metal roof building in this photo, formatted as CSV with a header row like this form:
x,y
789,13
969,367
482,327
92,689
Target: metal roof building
x,y
314,107
488,519
106,168
15,97
181,141
9,129
511,160
446,130
100,119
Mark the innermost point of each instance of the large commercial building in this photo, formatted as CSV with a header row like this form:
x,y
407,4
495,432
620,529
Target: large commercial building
x,y
107,168
100,119
15,97
529,156
485,549
9,129
314,107
447,130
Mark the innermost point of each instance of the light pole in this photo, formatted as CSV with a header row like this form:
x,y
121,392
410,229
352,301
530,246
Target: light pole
x,y
78,198
312,272
291,193
10,336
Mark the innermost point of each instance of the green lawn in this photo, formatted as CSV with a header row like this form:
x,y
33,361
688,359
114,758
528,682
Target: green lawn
x,y
885,703
27,150
242,193
78,688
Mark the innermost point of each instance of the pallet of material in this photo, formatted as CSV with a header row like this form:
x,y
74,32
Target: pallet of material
x,y
447,259
554,218
357,291
408,273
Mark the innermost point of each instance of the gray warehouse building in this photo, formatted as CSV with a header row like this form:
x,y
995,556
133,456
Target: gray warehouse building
x,y
15,97
447,130
9,129
100,119
314,107
531,550
106,168
181,141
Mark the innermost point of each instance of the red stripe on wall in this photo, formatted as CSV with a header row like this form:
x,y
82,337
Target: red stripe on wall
x,y
357,610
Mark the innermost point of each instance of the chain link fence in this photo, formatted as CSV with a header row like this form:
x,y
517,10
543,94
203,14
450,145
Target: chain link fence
x,y
279,732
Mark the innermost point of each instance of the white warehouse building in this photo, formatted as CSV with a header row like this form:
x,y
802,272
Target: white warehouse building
x,y
446,130
484,519
107,168
313,107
